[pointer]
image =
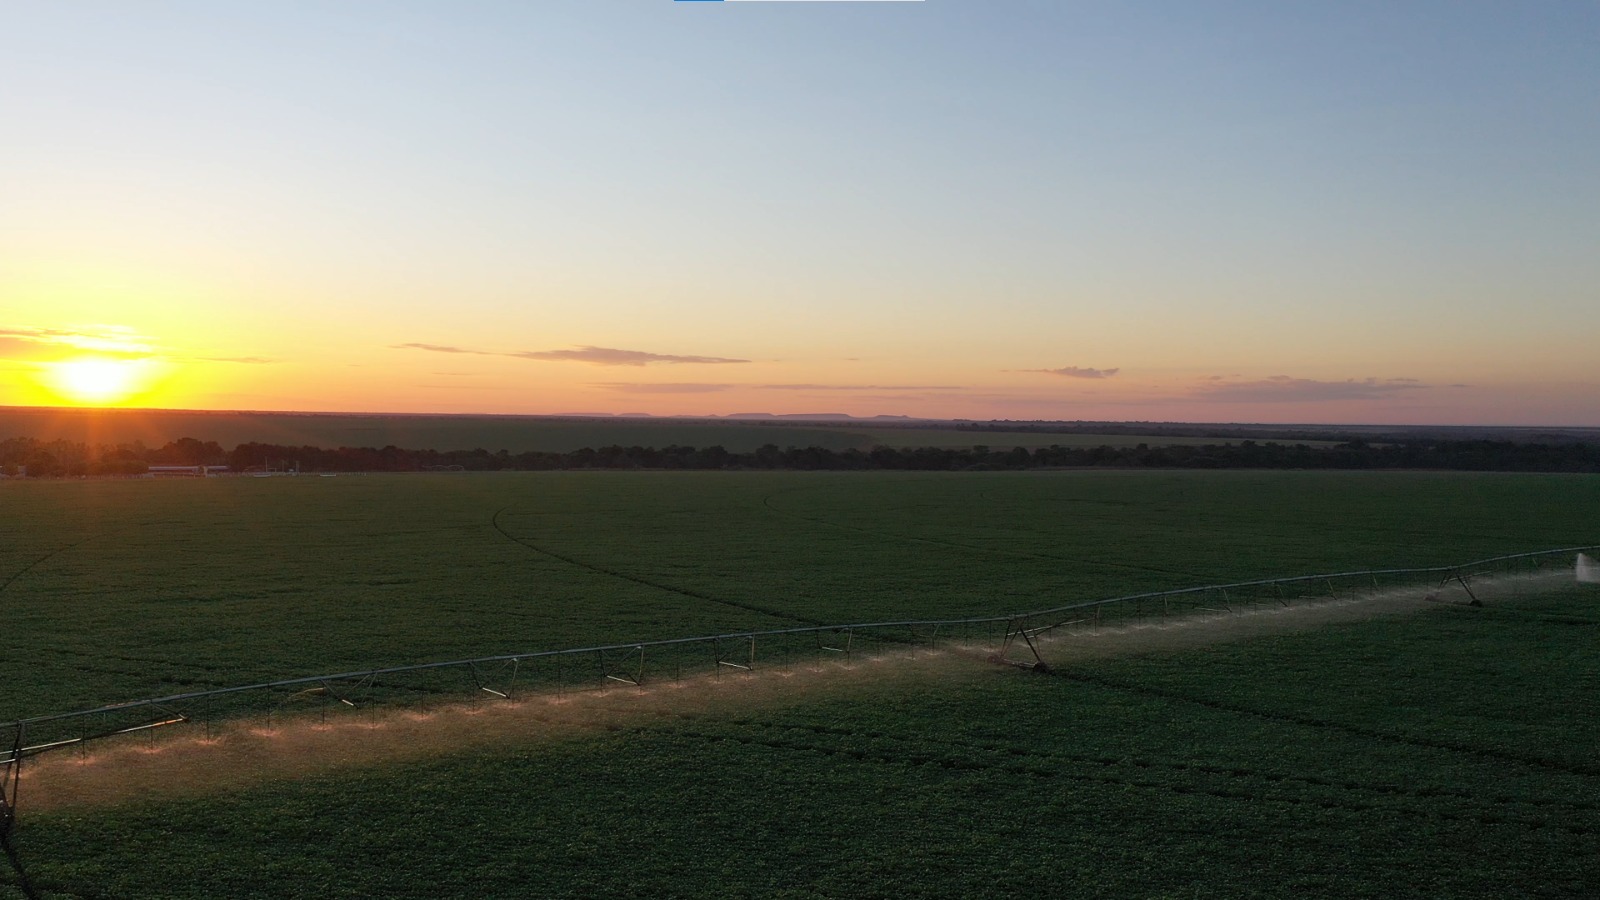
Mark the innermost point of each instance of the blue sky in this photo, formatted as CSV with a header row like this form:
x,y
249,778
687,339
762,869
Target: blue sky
x,y
878,199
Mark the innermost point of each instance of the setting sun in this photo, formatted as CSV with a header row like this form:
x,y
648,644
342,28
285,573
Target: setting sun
x,y
96,380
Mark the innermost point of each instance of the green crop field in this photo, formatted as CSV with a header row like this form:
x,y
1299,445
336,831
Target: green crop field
x,y
1448,752
123,589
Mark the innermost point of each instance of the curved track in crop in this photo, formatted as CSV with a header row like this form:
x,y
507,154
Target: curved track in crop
x,y
1001,748
44,559
1045,769
647,582
1362,731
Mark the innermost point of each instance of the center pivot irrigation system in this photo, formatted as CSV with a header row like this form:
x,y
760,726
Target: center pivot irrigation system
x,y
590,668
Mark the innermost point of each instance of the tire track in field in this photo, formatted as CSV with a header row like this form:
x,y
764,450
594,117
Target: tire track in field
x,y
23,882
142,660
999,551
1531,616
1315,722
79,543
43,559
684,592
124,658
159,678
902,758
1223,771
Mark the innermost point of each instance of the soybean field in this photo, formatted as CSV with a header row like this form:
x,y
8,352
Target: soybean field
x,y
1441,748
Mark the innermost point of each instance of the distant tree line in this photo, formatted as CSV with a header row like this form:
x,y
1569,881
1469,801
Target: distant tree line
x,y
69,458
65,458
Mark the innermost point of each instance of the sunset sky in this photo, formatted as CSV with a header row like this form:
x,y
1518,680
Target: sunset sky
x,y
1345,212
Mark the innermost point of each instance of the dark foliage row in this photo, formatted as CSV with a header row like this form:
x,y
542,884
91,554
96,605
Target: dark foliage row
x,y
62,458
56,458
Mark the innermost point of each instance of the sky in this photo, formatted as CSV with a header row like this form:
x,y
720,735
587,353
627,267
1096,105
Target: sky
x,y
1344,212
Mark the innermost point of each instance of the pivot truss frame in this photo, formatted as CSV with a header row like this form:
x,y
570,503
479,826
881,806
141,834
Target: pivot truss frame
x,y
10,783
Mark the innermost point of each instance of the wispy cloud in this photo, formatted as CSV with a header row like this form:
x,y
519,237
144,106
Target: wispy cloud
x,y
468,387
1077,372
35,346
857,387
439,348
1283,389
597,356
681,387
44,344
608,356
635,387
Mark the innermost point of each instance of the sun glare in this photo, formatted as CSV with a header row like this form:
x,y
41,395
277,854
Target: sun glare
x,y
95,380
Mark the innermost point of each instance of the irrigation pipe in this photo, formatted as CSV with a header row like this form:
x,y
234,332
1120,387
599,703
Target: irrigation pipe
x,y
20,726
